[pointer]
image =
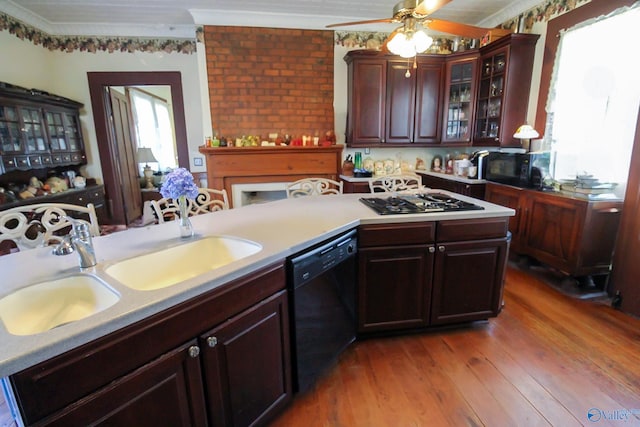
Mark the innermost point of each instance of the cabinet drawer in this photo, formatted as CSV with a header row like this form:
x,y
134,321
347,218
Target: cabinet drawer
x,y
472,229
396,234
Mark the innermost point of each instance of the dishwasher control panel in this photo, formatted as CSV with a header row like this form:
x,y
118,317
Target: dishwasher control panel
x,y
310,264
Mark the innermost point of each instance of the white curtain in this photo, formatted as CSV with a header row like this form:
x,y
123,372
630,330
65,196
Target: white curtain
x,y
594,97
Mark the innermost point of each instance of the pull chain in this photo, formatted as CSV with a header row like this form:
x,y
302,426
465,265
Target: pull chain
x,y
415,65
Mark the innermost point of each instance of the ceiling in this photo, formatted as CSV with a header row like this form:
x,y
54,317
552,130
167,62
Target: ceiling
x,y
176,18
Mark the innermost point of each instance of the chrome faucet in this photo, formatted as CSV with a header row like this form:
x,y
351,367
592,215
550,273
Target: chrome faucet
x,y
79,240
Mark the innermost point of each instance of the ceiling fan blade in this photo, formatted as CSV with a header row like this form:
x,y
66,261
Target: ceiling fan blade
x,y
372,21
460,29
427,7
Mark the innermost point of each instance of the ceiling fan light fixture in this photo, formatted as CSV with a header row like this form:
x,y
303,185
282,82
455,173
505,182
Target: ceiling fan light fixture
x,y
408,44
421,41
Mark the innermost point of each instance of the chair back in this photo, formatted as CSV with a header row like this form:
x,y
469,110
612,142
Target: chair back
x,y
43,224
393,183
313,187
207,200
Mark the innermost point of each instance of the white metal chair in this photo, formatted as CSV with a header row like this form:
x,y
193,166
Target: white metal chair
x,y
43,224
393,183
312,187
207,200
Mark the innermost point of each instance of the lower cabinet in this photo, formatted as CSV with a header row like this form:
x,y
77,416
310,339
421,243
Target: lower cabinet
x,y
421,274
165,392
473,190
246,365
568,232
167,370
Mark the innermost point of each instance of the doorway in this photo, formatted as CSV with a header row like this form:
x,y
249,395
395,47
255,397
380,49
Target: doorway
x,y
120,197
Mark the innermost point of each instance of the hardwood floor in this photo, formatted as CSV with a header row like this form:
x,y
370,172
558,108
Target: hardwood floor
x,y
548,359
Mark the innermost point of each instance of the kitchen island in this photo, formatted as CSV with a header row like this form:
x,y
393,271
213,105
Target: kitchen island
x,y
281,228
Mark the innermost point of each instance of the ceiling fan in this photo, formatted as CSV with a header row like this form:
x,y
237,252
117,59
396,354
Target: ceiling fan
x,y
410,39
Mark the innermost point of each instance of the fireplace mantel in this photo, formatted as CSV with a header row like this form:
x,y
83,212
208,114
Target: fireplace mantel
x,y
227,166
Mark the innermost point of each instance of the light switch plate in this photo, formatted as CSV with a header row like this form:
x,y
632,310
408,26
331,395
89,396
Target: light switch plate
x,y
367,150
197,161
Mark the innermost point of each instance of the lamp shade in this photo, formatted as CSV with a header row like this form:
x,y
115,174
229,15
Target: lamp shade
x,y
145,155
526,132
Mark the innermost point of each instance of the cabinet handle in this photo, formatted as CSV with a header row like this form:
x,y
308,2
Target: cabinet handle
x,y
432,249
194,351
610,210
441,248
212,341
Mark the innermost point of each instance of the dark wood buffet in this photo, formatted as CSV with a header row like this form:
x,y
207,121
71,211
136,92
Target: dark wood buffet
x,y
573,234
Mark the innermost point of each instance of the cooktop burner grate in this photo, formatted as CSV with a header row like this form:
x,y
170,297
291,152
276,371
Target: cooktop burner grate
x,y
418,203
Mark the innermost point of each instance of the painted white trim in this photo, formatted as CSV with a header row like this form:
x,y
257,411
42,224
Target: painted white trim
x,y
509,12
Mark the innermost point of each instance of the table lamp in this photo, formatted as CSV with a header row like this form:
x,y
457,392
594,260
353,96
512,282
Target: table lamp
x,y
526,133
145,155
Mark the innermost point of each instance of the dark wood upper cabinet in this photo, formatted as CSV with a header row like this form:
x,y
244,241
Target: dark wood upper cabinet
x,y
479,96
391,102
426,128
503,92
366,100
459,98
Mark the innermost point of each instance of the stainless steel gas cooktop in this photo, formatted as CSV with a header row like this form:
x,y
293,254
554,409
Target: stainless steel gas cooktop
x,y
417,203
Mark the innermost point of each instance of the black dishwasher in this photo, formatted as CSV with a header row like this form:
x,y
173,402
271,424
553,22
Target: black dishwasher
x,y
322,295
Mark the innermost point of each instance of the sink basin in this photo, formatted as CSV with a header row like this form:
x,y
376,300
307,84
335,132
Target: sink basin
x,y
47,305
167,267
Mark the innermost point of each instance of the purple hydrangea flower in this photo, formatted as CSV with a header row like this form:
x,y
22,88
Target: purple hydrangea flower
x,y
179,182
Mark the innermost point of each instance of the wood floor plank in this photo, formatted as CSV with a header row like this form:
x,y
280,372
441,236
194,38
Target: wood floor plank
x,y
547,359
610,368
514,371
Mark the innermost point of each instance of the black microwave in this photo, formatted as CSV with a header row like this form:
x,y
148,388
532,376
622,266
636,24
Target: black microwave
x,y
526,170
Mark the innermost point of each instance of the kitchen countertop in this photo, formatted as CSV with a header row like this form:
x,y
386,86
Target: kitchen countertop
x,y
282,227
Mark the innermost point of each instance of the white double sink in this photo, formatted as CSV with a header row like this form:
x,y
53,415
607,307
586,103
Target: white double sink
x,y
52,303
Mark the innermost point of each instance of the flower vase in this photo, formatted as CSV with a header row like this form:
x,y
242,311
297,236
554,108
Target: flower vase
x,y
186,229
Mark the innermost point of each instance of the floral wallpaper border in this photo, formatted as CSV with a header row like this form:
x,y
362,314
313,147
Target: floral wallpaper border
x,y
447,44
70,44
353,39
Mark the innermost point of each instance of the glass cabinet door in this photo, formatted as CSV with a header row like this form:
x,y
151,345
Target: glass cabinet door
x,y
10,133
72,130
33,129
459,101
490,97
55,125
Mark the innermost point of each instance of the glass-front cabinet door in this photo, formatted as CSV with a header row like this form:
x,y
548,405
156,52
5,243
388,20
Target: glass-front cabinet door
x,y
459,100
33,129
10,133
56,128
490,98
72,130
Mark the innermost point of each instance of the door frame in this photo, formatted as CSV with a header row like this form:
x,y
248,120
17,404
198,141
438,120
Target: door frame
x,y
100,104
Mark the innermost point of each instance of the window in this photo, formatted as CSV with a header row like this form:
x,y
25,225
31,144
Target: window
x,y
154,128
594,98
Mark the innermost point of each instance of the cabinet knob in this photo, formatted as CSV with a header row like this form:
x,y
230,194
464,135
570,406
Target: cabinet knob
x,y
432,249
441,248
212,341
194,351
